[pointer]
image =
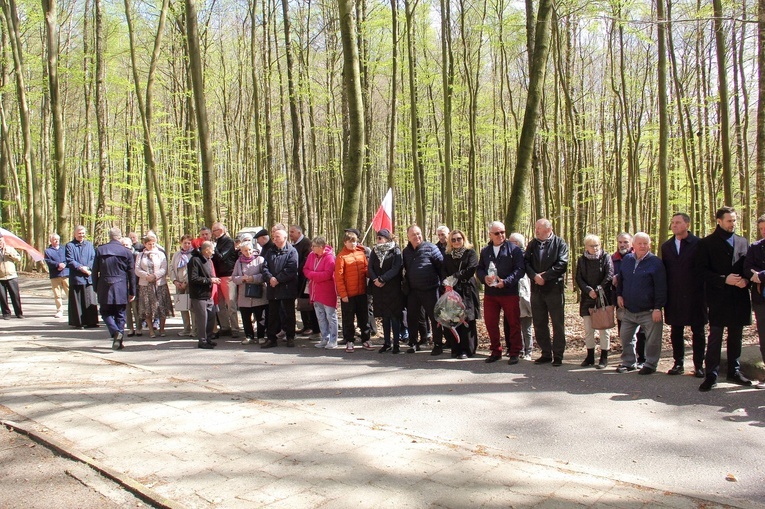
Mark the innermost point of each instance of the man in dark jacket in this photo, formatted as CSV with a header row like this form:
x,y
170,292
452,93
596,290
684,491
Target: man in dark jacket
x,y
302,245
422,263
685,294
114,281
505,260
224,258
624,247
55,259
641,296
280,271
80,255
754,269
721,263
546,261
203,286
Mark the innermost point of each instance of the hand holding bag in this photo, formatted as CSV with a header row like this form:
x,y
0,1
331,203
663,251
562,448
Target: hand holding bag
x,y
253,290
602,315
182,302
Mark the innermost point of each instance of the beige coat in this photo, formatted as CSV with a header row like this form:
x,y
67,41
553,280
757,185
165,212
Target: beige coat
x,y
8,258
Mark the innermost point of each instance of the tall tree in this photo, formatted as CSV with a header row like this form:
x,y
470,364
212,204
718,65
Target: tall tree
x,y
145,110
352,84
200,107
760,171
59,157
518,193
722,84
12,20
297,171
663,120
99,229
447,82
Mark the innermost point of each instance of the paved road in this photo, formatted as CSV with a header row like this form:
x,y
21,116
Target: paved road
x,y
238,426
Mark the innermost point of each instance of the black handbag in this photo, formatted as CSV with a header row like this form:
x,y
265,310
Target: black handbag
x,y
253,290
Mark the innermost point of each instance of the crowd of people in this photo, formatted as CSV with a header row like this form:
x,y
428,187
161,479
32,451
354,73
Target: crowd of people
x,y
264,277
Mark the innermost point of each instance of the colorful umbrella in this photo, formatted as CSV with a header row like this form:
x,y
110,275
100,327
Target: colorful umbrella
x,y
14,241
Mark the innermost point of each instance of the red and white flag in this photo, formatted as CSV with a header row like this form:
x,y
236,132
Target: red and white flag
x,y
384,216
16,242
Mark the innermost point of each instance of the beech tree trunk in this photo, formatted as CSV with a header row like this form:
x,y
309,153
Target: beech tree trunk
x,y
519,190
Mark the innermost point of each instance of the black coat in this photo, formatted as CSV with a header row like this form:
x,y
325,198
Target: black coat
x,y
467,286
303,249
685,286
200,276
283,265
755,260
728,305
113,274
388,300
553,263
225,256
591,275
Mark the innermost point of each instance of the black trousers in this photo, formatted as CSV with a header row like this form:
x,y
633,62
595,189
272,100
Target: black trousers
x,y
425,300
355,307
544,304
10,287
281,317
252,317
678,344
714,349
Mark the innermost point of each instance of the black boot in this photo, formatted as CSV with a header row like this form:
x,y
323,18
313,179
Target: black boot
x,y
603,363
590,359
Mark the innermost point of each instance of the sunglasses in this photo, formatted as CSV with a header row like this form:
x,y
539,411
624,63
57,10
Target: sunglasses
x,y
498,233
457,239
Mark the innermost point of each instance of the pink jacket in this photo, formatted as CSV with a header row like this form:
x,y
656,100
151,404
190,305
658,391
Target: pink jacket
x,y
320,271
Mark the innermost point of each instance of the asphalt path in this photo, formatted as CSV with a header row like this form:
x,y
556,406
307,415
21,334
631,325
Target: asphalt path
x,y
655,430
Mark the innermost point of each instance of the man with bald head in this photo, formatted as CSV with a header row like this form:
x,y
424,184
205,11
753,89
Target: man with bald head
x,y
641,295
422,265
546,260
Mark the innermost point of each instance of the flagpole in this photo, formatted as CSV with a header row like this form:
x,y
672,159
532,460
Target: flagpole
x,y
367,232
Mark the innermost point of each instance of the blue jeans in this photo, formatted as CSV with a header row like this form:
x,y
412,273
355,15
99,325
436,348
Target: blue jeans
x,y
327,316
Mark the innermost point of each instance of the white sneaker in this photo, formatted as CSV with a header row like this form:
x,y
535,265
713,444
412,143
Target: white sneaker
x,y
331,345
322,344
760,385
527,357
58,314
349,347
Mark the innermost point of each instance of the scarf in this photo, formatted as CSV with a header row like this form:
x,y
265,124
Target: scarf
x,y
595,256
381,250
184,260
245,260
458,252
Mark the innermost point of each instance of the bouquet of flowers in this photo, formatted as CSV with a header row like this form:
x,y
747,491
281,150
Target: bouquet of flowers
x,y
449,309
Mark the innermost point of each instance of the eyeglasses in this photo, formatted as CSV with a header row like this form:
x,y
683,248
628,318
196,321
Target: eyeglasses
x,y
457,239
498,233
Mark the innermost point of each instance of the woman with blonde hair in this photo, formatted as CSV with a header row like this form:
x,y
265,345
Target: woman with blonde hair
x,y
594,272
460,262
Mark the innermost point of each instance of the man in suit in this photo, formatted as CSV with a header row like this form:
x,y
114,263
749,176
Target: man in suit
x,y
114,280
685,294
721,263
546,261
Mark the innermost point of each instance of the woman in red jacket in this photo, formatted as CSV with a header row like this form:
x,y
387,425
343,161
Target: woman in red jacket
x,y
351,280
